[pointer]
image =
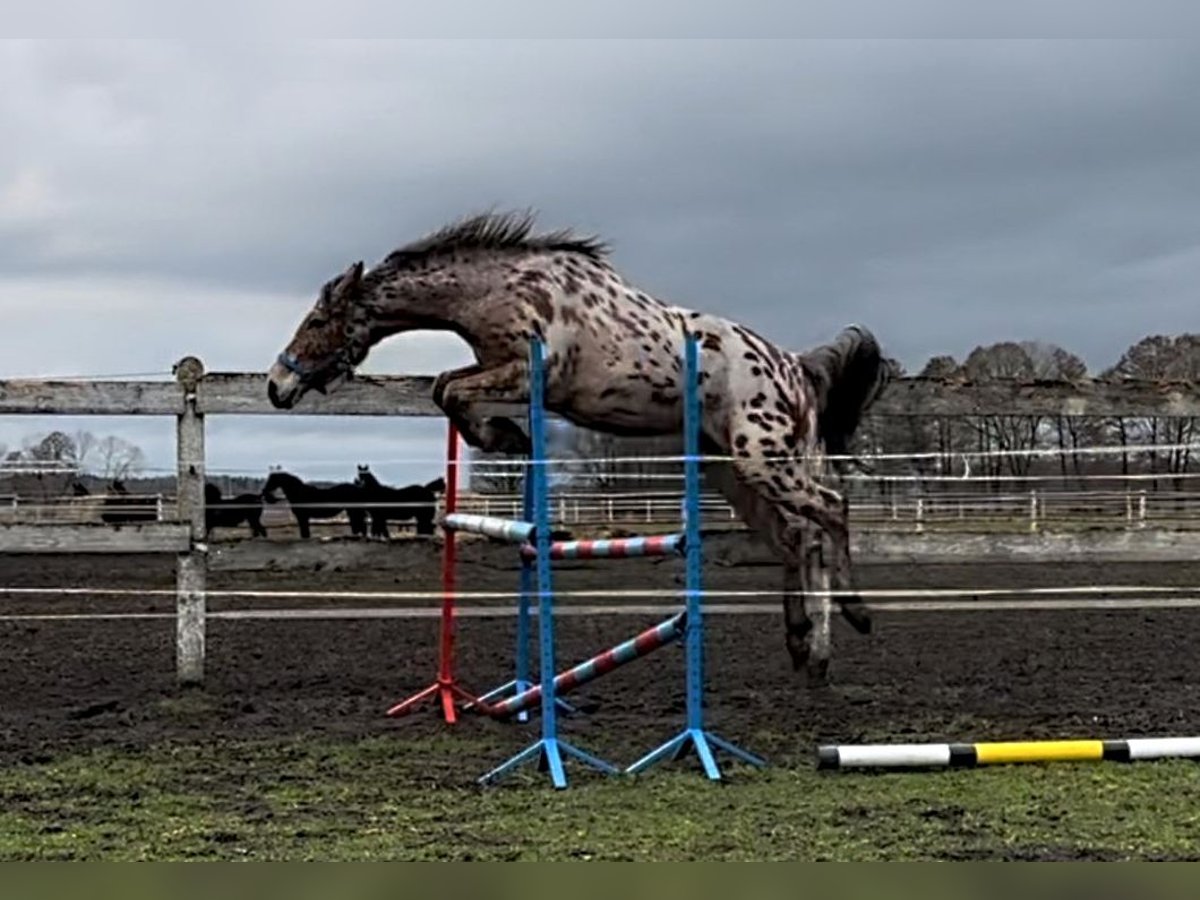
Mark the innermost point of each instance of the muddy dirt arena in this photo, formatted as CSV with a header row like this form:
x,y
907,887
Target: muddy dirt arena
x,y
72,684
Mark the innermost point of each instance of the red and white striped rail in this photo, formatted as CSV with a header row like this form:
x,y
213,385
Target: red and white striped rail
x,y
612,548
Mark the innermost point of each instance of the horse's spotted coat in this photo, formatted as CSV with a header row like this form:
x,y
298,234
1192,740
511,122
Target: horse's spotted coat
x,y
613,363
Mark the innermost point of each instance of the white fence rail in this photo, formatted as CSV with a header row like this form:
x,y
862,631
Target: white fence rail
x,y
1033,510
1134,509
90,508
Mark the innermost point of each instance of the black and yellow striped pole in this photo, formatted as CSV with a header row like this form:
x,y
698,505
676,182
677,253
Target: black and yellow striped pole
x,y
922,756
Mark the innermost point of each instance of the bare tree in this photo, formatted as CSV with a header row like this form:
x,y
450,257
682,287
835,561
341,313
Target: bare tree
x,y
85,446
1004,433
945,435
1161,358
596,451
108,457
494,473
53,447
1053,363
117,458
49,462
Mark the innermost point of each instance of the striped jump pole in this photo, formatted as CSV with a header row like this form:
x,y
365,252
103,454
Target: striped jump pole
x,y
927,756
612,548
511,530
601,664
520,681
445,688
549,750
694,735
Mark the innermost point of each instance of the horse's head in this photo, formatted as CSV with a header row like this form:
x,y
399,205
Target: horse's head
x,y
212,493
332,339
437,486
276,480
366,478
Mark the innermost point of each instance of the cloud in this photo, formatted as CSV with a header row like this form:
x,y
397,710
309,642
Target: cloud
x,y
623,19
159,199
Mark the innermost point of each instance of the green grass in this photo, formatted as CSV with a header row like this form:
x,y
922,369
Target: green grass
x,y
390,799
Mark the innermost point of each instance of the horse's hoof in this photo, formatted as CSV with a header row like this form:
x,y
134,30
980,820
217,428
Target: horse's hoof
x,y
799,658
855,612
817,673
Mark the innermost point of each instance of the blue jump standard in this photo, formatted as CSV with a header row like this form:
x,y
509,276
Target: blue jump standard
x,y
550,749
521,683
694,736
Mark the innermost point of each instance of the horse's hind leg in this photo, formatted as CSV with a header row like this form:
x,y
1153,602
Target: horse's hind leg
x,y
800,508
798,627
807,607
853,608
831,519
819,607
764,516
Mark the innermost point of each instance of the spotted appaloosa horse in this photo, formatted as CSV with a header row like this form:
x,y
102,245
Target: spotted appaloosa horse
x,y
614,364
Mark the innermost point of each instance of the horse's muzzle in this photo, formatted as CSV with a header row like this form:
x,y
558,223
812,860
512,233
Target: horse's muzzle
x,y
283,388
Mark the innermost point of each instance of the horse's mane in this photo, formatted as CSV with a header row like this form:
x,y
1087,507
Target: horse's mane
x,y
849,373
497,231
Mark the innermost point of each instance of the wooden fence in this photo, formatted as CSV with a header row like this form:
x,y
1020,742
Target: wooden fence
x,y
194,394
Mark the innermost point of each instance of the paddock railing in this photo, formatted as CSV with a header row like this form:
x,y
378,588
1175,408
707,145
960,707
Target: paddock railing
x,y
1031,510
193,395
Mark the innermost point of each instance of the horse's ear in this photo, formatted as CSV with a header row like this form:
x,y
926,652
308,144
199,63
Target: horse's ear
x,y
350,278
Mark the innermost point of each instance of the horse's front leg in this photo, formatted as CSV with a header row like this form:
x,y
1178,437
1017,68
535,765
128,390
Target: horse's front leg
x,y
444,379
465,398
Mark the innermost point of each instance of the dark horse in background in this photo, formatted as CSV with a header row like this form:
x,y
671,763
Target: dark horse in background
x,y
220,512
385,503
311,502
121,508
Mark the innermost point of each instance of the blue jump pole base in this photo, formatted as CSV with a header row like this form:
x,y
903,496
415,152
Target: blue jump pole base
x,y
513,688
703,743
549,753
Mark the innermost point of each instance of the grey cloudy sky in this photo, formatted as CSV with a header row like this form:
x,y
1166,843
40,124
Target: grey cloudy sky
x,y
159,199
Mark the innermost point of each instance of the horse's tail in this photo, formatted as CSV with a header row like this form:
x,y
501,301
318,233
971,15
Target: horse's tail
x,y
849,373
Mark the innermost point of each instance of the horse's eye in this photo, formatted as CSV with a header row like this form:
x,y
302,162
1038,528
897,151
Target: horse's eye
x,y
316,322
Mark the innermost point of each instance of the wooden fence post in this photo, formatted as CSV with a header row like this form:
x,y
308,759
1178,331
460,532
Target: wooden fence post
x,y
191,573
